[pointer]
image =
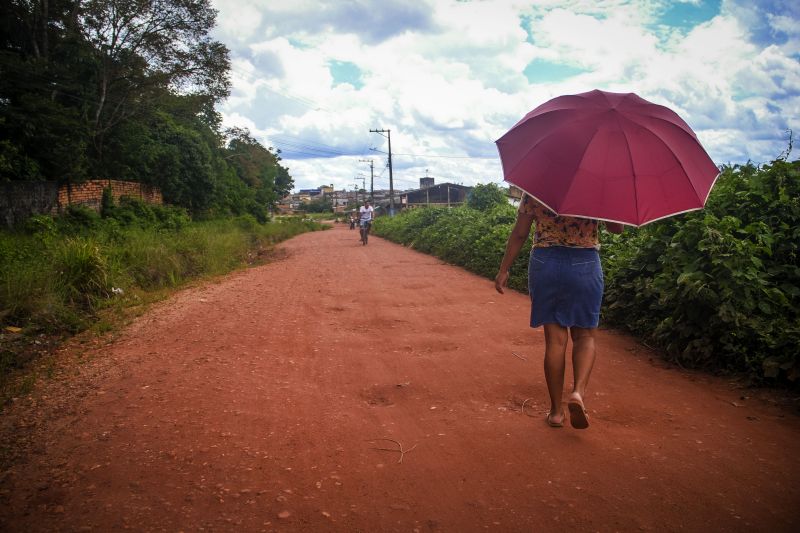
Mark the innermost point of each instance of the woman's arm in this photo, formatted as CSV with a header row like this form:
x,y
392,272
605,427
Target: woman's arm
x,y
520,233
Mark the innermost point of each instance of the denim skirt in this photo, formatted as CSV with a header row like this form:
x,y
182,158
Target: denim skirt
x,y
566,286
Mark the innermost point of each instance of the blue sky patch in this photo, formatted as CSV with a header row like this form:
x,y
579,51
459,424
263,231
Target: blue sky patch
x,y
686,15
345,72
296,43
526,23
543,71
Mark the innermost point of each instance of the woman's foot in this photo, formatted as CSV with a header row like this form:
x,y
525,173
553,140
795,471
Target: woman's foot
x,y
577,412
555,421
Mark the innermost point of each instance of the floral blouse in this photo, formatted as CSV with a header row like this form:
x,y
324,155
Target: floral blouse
x,y
554,230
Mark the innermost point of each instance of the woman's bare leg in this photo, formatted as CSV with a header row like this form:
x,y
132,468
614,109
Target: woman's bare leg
x,y
583,354
555,339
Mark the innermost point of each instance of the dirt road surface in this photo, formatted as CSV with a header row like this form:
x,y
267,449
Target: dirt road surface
x,y
258,403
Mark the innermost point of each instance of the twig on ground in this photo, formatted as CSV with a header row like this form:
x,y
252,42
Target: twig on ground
x,y
518,356
400,446
522,409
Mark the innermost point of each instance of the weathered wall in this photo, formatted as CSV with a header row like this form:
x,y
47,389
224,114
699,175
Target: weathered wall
x,y
20,200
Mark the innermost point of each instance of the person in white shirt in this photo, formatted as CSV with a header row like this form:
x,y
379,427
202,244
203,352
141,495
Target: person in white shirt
x,y
365,221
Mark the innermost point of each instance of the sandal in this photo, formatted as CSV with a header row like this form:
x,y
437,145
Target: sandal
x,y
577,412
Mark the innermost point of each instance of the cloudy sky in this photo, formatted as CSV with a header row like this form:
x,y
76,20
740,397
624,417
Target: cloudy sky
x,y
448,77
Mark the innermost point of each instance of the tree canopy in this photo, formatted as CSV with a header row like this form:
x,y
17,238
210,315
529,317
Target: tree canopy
x,y
485,196
126,89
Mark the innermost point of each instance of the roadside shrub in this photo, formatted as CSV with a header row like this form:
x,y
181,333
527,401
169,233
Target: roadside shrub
x,y
171,218
42,226
247,222
82,272
719,288
407,227
78,219
134,211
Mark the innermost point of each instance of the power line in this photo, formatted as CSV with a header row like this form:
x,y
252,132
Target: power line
x,y
449,156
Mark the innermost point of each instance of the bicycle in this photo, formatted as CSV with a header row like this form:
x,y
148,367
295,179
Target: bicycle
x,y
364,229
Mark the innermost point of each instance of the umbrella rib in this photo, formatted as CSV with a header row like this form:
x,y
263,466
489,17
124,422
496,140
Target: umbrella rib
x,y
633,170
671,151
531,148
585,148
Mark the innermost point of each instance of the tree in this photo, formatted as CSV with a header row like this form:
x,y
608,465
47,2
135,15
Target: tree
x,y
318,205
126,89
485,196
43,87
146,45
257,167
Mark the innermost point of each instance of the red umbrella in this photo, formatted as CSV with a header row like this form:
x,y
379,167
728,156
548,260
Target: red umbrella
x,y
608,156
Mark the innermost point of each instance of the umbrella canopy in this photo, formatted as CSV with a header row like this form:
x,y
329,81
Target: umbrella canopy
x,y
608,156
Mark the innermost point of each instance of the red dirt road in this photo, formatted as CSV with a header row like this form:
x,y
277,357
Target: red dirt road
x,y
250,404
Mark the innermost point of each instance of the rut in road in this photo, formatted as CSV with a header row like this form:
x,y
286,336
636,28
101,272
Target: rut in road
x,y
254,403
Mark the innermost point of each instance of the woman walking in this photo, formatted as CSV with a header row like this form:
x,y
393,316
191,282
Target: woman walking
x,y
565,282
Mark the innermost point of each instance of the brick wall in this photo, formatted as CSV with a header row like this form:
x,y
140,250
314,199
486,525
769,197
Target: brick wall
x,y
90,193
21,199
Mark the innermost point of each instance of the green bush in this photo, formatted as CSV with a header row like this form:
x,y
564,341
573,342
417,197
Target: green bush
x,y
719,288
78,219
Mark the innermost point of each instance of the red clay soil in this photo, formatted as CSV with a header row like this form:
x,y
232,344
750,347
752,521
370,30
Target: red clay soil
x,y
373,388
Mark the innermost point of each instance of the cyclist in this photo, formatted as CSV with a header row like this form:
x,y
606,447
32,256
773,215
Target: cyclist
x,y
365,220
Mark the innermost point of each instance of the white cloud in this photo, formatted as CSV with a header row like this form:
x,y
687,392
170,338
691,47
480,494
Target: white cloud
x,y
447,77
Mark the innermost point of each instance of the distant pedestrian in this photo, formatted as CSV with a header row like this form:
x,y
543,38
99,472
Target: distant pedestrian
x,y
565,281
367,213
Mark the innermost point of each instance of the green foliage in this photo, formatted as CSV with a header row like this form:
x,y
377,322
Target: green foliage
x,y
78,218
485,196
80,102
107,202
719,288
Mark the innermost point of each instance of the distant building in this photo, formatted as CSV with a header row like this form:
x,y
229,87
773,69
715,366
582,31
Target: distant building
x,y
306,195
444,194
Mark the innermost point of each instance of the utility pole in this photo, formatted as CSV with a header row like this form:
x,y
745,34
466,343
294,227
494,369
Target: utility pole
x,y
371,179
391,178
